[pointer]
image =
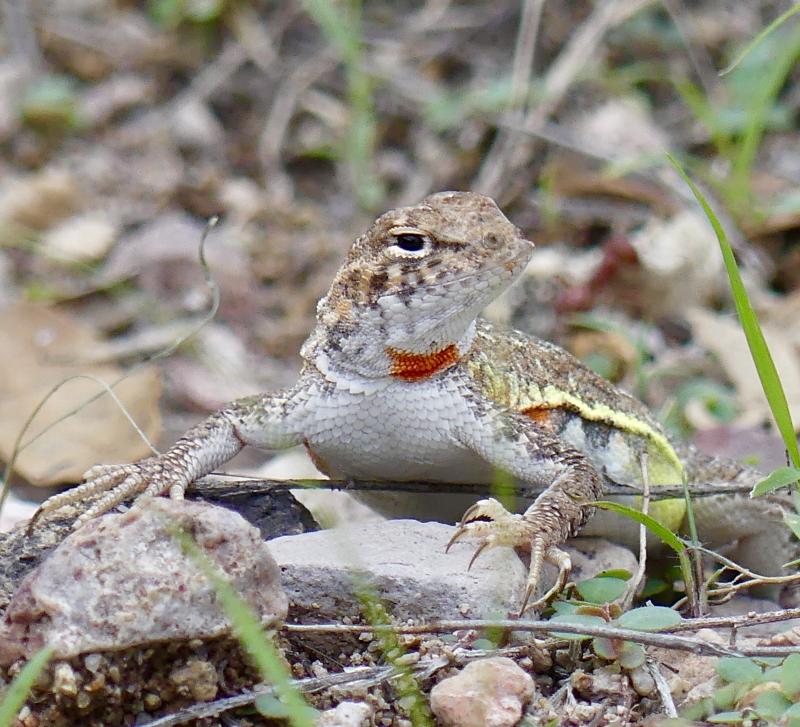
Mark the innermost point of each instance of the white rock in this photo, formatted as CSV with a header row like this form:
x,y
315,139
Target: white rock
x,y
122,581
486,693
346,714
405,563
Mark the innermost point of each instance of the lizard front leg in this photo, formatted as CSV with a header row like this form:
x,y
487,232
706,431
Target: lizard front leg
x,y
514,444
270,421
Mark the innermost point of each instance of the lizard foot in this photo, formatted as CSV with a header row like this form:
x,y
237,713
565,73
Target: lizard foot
x,y
494,525
113,484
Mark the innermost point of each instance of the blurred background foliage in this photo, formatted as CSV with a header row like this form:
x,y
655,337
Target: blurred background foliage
x,y
125,125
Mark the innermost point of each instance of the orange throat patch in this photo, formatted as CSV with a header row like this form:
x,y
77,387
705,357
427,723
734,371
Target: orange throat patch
x,y
410,366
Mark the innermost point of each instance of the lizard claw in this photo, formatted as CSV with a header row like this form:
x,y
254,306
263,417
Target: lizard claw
x,y
110,485
493,525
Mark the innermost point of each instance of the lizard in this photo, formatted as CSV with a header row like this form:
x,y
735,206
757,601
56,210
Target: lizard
x,y
402,380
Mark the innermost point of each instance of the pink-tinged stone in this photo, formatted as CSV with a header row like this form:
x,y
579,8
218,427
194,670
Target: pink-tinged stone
x,y
122,581
486,693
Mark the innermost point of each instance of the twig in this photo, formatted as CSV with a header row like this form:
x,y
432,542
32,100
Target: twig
x,y
664,639
753,579
213,76
177,343
662,687
307,686
738,622
698,55
361,678
560,76
634,584
241,485
506,142
271,139
21,34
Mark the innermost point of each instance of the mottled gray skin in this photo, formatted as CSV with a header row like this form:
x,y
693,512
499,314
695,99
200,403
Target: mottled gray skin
x,y
402,382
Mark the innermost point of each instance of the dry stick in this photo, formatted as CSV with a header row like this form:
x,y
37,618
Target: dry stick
x,y
662,687
307,686
358,678
557,81
213,76
507,142
21,36
660,639
214,291
635,583
271,139
698,55
209,487
754,579
5,485
108,388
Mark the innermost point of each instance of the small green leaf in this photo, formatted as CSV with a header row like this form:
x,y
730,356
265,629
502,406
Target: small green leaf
x,y
563,607
792,520
578,620
726,718
601,590
725,697
652,587
781,477
792,715
790,676
269,706
632,655
621,573
738,669
771,705
609,649
649,618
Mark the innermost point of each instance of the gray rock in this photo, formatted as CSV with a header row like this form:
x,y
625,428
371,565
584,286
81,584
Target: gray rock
x,y
405,564
121,581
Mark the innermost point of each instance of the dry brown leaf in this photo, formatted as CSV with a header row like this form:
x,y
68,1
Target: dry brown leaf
x,y
42,347
723,336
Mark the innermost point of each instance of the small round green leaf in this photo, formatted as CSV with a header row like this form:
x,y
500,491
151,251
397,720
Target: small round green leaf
x,y
609,649
738,669
632,655
790,676
649,618
771,705
726,718
601,590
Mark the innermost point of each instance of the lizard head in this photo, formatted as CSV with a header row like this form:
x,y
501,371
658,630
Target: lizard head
x,y
414,282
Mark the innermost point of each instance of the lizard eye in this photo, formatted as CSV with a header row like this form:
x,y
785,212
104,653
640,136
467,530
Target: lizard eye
x,y
411,244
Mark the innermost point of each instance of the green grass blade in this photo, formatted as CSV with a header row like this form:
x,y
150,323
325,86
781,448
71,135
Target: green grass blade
x,y
660,531
342,25
765,366
757,113
774,25
18,691
248,630
409,691
781,477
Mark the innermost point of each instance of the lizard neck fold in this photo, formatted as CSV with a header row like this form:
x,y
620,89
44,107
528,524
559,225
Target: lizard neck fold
x,y
374,359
